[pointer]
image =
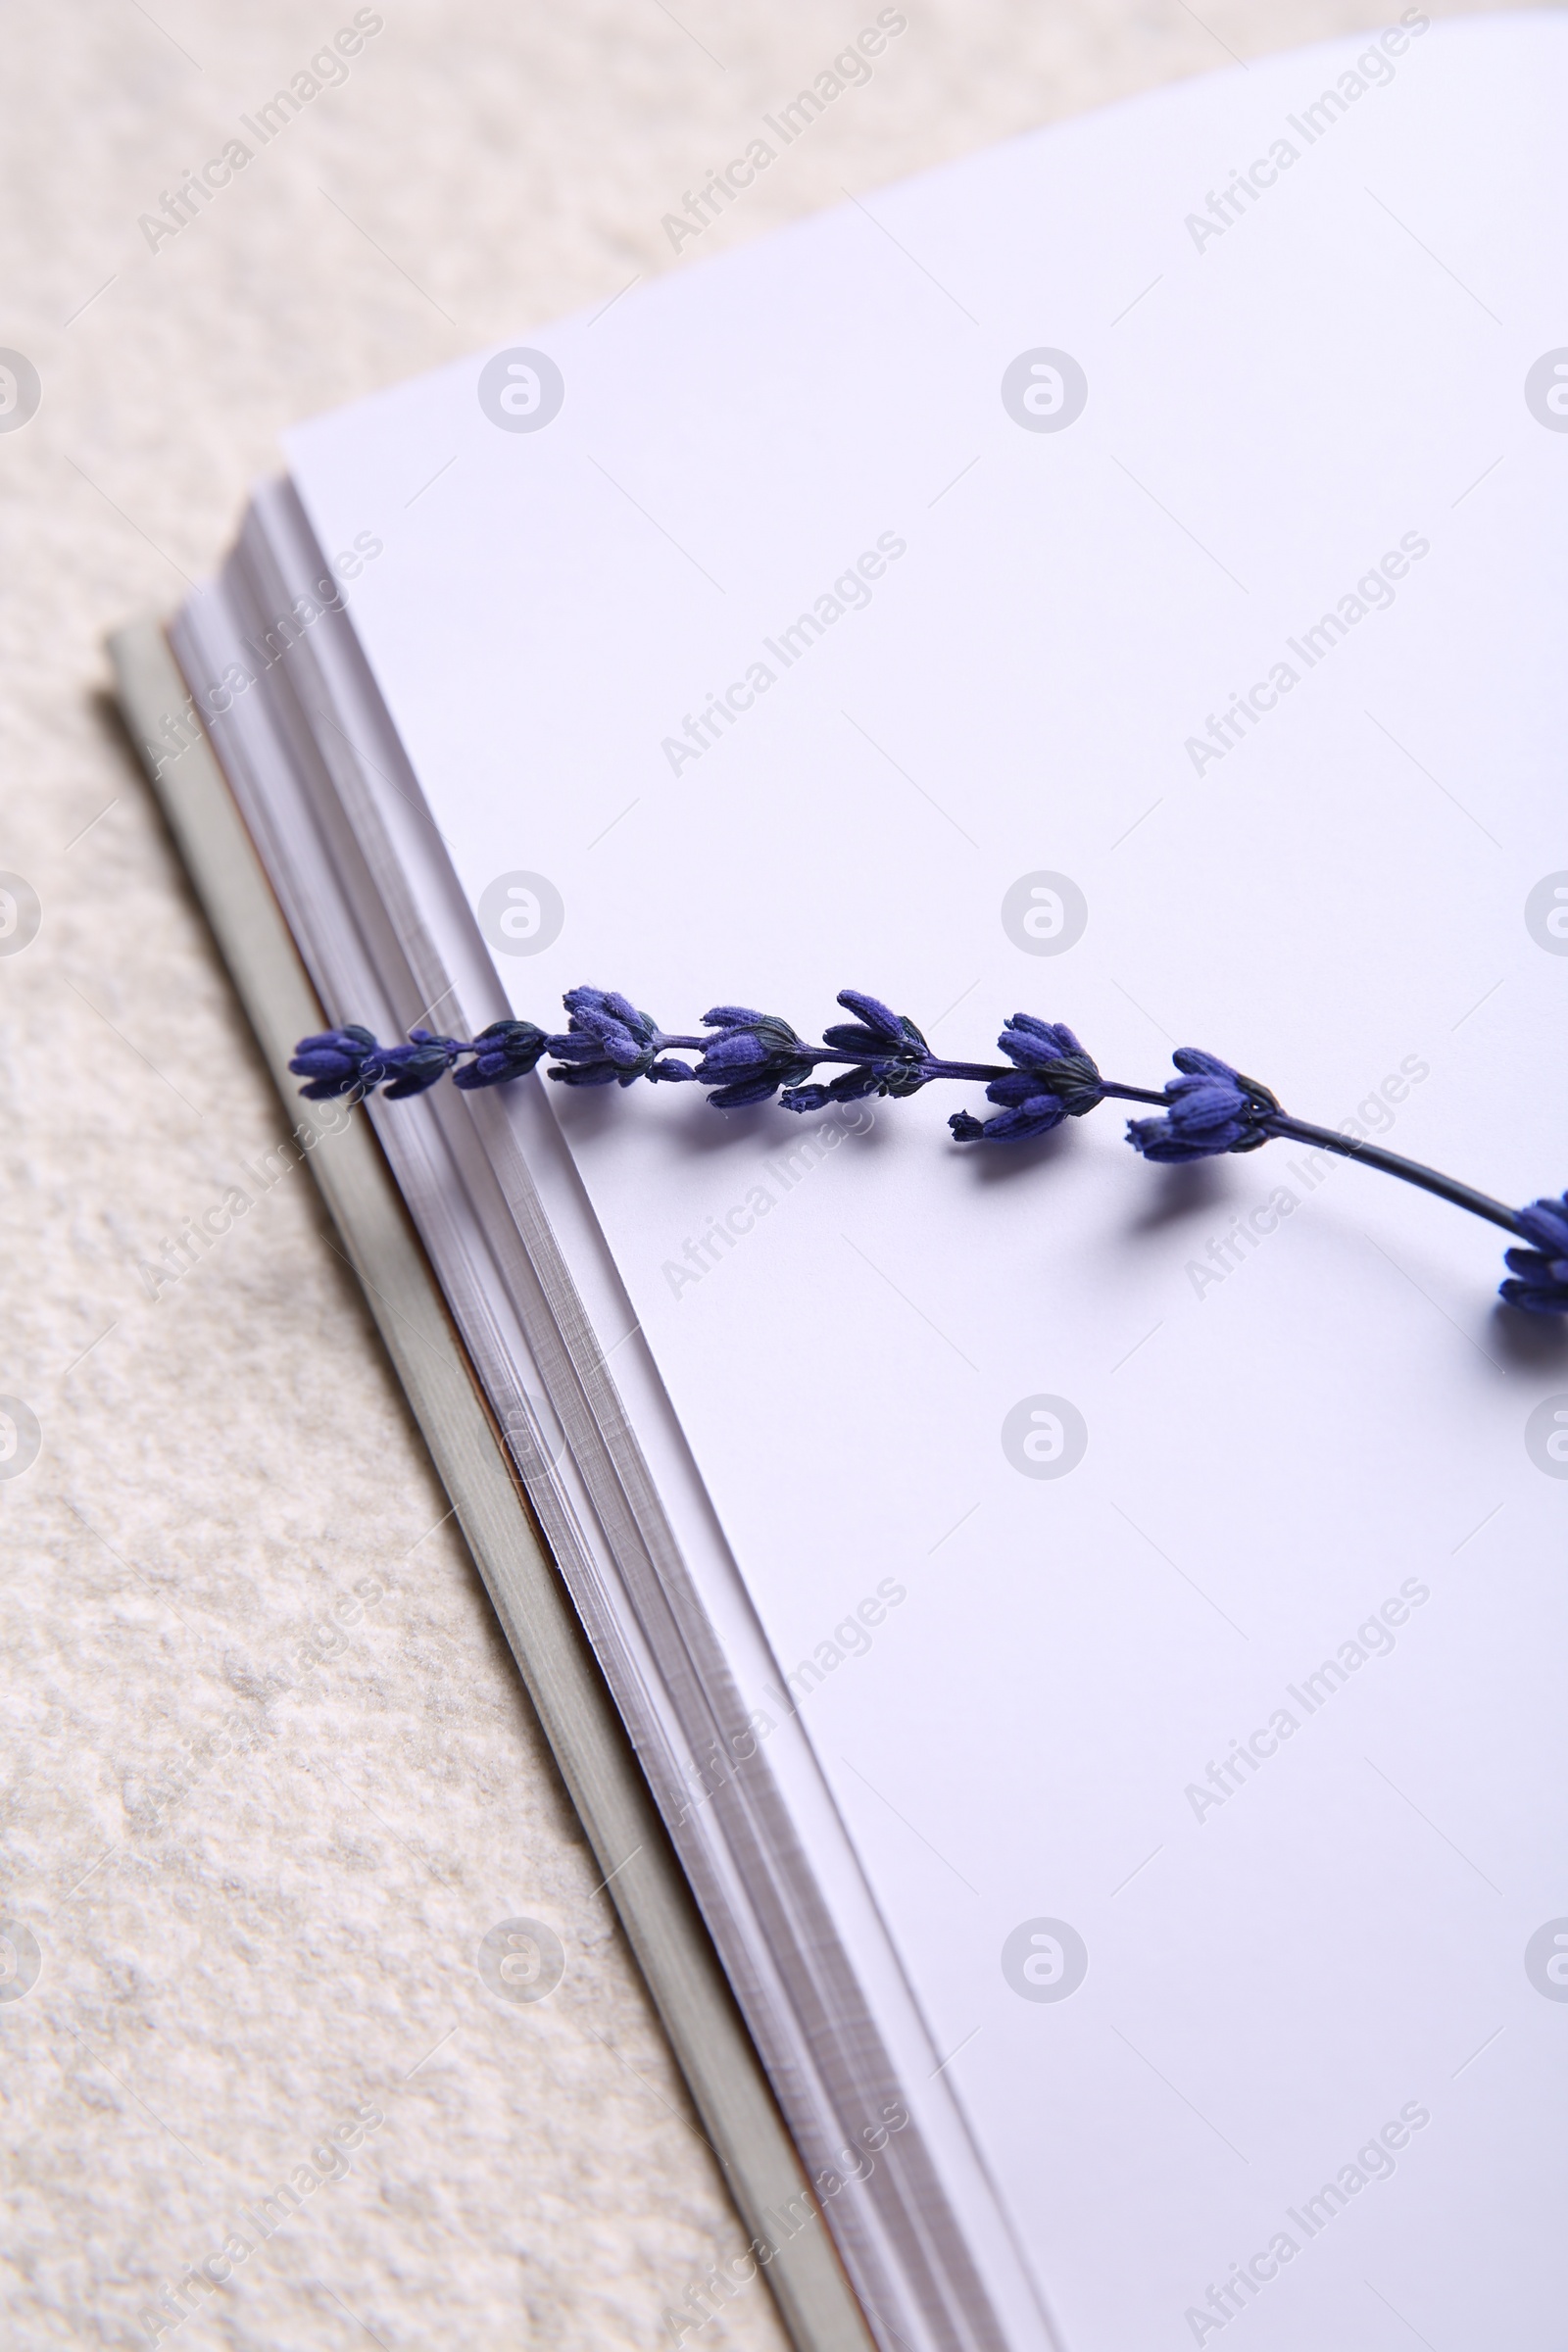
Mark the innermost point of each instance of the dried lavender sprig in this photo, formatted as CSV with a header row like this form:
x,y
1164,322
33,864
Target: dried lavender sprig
x,y
747,1058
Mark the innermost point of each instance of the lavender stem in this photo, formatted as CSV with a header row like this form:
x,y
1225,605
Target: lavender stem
x,y
1393,1163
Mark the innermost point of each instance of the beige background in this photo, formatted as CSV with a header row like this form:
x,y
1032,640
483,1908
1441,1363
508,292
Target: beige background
x,y
238,1953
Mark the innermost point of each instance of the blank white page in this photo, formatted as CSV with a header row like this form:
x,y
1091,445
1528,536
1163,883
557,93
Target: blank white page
x,y
1261,1701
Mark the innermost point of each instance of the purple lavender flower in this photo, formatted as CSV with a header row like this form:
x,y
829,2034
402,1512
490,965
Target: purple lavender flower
x,y
339,1061
1213,1108
890,1057
753,1056
507,1049
608,1042
1540,1275
1055,1080
411,1069
343,1061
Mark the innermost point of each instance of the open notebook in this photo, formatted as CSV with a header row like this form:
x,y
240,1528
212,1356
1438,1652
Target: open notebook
x,y
1121,577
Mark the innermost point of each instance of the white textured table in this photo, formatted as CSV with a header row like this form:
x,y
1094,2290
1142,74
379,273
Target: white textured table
x,y
256,1846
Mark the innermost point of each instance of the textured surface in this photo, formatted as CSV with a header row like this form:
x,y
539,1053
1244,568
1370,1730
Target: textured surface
x,y
258,1845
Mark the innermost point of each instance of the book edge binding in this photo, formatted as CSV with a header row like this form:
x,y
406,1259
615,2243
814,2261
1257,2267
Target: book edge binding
x,y
673,1951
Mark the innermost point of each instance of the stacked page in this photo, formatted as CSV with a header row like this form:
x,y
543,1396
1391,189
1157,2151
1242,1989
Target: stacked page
x,y
1095,1631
